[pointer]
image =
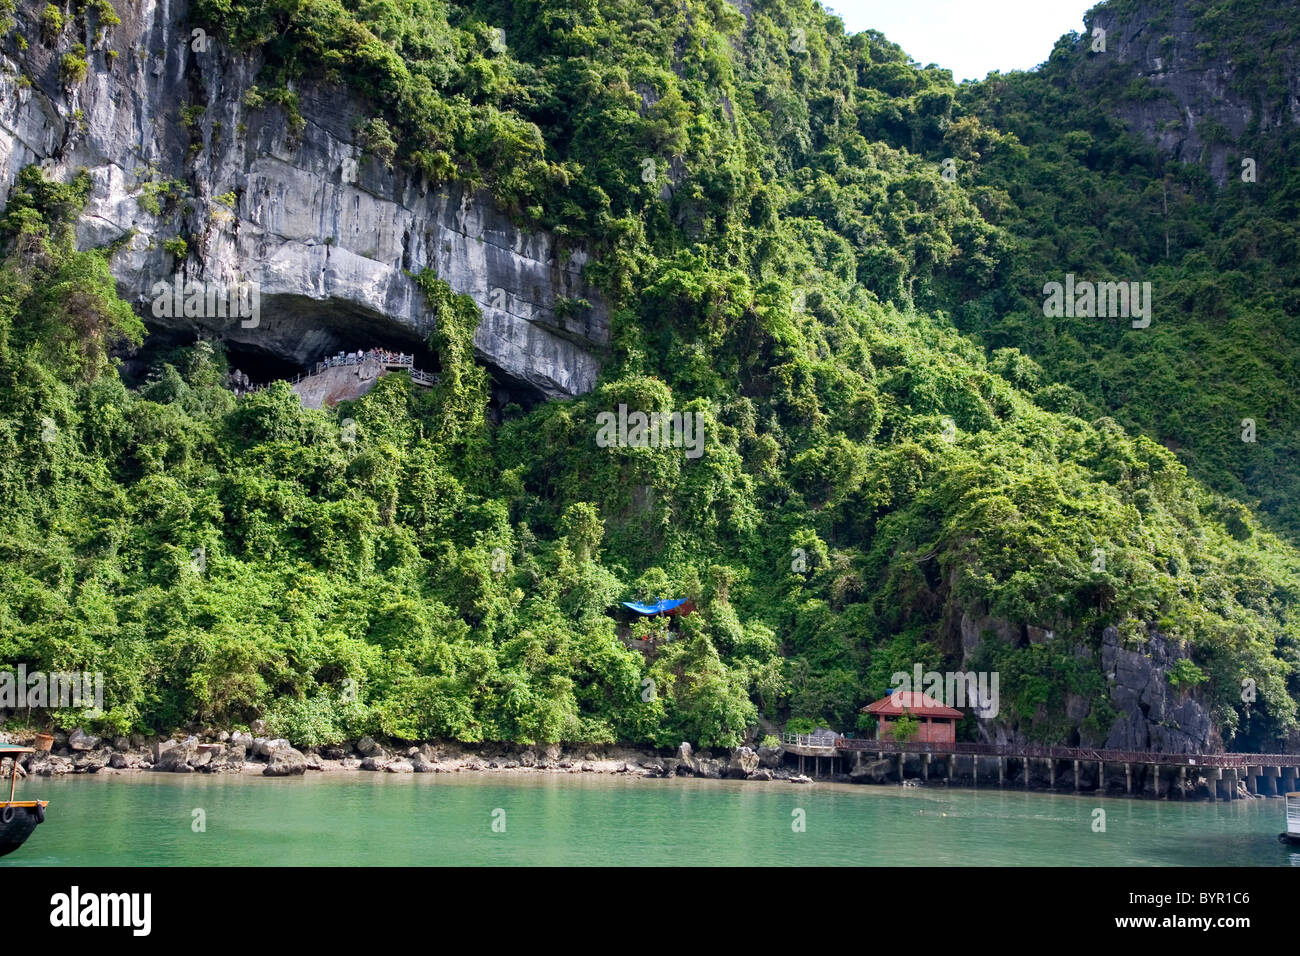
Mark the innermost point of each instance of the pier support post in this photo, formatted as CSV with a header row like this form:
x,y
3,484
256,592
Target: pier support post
x,y
1002,770
1213,775
1101,776
974,770
949,762
925,768
1128,778
901,777
1182,783
1252,780
1026,773
1076,776
1051,774
1270,780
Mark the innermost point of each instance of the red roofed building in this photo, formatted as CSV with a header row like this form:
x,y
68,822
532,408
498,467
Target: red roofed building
x,y
938,722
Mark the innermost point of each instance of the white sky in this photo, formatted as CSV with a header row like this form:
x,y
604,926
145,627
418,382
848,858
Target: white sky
x,y
969,37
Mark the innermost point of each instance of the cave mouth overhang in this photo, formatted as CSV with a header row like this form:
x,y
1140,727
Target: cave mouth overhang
x,y
303,330
283,335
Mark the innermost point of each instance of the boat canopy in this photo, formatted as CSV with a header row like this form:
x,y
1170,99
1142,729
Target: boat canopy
x,y
13,750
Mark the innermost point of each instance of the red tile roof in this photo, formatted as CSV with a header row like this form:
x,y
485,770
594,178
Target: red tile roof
x,y
909,700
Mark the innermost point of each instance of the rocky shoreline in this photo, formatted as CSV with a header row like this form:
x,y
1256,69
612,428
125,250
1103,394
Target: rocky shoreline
x,y
257,753
249,753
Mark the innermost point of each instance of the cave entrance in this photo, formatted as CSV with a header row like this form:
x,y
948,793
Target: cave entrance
x,y
295,333
260,365
509,397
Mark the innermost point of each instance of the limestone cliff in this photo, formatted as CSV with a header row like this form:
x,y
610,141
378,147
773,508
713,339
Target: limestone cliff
x,y
1146,711
329,235
1198,97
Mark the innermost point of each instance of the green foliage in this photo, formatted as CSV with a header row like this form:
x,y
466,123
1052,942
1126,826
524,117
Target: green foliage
x,y
72,68
158,195
1185,674
892,440
376,137
51,22
906,727
318,721
1220,257
104,11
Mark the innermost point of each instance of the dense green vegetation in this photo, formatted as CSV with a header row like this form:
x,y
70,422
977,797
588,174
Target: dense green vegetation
x,y
1083,195
797,270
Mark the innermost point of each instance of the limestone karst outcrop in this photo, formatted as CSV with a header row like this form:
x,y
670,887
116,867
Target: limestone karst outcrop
x,y
329,235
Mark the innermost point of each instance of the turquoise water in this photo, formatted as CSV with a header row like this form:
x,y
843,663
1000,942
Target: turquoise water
x,y
567,819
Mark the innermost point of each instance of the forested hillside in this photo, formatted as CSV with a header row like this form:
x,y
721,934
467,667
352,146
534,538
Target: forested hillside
x,y
901,451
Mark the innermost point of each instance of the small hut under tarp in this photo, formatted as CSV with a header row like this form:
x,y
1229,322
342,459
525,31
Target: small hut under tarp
x,y
671,606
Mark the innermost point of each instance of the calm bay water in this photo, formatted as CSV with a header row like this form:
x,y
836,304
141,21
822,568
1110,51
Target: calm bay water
x,y
382,819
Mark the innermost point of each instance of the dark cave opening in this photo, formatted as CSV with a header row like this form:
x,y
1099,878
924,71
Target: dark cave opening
x,y
168,345
260,365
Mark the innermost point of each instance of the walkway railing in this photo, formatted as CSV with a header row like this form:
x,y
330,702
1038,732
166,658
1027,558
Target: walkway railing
x,y
392,360
382,356
1038,751
810,740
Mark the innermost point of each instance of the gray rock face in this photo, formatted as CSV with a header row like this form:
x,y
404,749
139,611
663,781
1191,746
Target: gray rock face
x,y
80,740
421,764
229,761
161,747
340,384
744,761
327,235
176,758
685,759
265,747
285,762
710,768
49,765
771,757
90,761
975,621
1197,86
1153,716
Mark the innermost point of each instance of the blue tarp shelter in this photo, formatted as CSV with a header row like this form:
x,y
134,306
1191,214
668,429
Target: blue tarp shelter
x,y
660,608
